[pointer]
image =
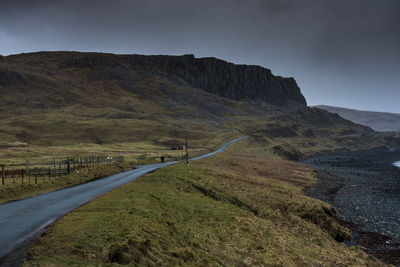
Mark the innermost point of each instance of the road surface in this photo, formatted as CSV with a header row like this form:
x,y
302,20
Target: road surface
x,y
23,221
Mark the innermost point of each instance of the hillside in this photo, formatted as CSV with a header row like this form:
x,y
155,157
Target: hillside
x,y
240,208
68,103
47,93
379,121
60,102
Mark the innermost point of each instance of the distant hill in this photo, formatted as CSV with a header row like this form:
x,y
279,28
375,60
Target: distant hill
x,y
379,121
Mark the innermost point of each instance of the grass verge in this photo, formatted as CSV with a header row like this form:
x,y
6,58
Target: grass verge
x,y
236,209
13,192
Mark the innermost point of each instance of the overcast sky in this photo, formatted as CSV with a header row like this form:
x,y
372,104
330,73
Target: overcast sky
x,y
343,52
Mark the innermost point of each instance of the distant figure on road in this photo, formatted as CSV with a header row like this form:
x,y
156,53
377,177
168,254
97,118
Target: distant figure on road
x,y
162,158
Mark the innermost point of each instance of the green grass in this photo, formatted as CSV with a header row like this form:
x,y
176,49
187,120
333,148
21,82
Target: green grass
x,y
11,192
236,209
15,153
252,213
18,152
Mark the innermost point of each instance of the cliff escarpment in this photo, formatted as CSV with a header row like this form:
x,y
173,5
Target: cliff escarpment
x,y
215,76
226,79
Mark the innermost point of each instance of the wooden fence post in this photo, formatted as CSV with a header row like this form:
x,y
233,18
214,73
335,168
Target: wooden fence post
x,y
68,167
28,168
3,174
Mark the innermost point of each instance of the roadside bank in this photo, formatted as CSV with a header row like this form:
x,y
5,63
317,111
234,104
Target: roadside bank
x,y
244,207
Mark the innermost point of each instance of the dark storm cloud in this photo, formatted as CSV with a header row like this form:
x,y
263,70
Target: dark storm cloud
x,y
337,50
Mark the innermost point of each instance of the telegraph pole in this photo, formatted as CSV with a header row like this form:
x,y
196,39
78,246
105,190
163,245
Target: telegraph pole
x,y
187,152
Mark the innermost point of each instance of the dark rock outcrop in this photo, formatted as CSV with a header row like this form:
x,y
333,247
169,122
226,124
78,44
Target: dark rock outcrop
x,y
212,75
227,79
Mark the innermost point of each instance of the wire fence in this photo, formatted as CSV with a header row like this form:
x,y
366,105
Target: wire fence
x,y
51,167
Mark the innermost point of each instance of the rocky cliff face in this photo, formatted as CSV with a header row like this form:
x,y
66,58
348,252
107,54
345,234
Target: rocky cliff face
x,y
212,75
226,79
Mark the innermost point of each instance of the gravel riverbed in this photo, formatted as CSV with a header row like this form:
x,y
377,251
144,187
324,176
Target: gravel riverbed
x,y
364,187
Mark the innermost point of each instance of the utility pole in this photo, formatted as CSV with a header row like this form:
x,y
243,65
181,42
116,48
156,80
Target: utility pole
x,y
187,152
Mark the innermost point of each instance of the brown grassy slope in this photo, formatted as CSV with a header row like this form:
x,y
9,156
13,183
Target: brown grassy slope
x,y
49,107
67,98
47,100
307,131
313,131
237,209
63,101
379,121
12,192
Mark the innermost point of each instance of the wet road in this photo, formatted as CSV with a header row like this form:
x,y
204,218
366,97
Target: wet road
x,y
23,221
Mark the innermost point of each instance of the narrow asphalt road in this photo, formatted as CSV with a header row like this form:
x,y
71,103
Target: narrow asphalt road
x,y
21,222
